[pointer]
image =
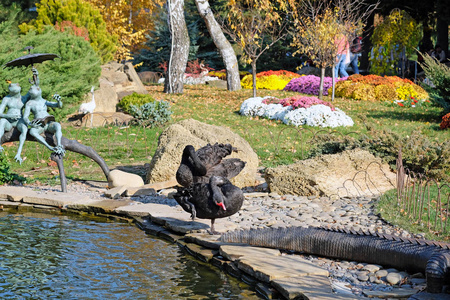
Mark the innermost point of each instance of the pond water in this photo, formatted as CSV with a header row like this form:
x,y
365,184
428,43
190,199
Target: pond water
x,y
59,257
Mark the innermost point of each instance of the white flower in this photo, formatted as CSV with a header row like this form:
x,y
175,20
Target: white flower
x,y
252,107
316,115
276,111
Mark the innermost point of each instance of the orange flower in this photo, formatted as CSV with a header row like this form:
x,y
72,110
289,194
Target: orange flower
x,y
401,104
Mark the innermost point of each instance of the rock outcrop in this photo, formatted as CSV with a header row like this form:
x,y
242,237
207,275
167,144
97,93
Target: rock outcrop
x,y
172,141
116,81
350,173
118,178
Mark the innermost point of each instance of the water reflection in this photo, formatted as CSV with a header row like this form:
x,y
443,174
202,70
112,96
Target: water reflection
x,y
54,257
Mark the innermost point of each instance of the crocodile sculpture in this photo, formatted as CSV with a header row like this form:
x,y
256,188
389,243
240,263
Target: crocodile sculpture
x,y
414,255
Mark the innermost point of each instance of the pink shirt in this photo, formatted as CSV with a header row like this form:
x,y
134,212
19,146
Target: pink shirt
x,y
342,44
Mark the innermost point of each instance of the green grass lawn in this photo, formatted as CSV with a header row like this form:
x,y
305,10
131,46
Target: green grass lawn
x,y
421,215
274,142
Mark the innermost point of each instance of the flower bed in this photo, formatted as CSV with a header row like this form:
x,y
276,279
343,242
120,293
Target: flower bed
x,y
297,111
382,88
269,80
445,124
310,84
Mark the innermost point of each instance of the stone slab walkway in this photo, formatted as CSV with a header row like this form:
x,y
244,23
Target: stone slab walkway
x,y
274,273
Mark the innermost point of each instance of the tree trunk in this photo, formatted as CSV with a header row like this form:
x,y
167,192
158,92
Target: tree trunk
x,y
180,47
224,46
442,34
254,77
322,78
333,82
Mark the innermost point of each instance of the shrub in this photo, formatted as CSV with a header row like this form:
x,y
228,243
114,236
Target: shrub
x,y
439,74
82,15
300,101
420,154
5,171
219,74
363,91
134,99
374,87
71,76
318,114
385,92
151,114
310,84
445,122
269,80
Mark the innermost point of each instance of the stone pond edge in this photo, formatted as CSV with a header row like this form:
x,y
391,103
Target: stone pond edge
x,y
252,265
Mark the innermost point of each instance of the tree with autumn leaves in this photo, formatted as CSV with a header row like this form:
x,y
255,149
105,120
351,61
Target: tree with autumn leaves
x,y
318,23
129,20
115,28
255,25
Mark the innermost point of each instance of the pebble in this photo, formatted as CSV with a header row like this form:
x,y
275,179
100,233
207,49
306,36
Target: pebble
x,y
394,278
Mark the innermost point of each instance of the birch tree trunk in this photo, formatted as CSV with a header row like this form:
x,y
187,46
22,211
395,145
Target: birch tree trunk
x,y
180,47
322,79
254,77
221,42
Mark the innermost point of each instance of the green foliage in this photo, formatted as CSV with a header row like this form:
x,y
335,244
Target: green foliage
x,y
398,32
439,74
70,76
158,44
82,14
5,173
152,114
397,214
134,99
19,8
419,154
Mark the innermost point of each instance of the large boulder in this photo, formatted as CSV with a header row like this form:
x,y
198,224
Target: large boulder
x,y
172,141
350,173
116,81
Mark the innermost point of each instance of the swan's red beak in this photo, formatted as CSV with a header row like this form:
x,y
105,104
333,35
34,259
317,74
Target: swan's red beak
x,y
221,205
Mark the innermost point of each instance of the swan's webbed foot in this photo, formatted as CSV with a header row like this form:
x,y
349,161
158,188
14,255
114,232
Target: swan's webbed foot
x,y
212,231
193,210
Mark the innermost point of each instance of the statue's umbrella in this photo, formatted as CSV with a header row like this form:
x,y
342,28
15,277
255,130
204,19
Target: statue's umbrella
x,y
30,59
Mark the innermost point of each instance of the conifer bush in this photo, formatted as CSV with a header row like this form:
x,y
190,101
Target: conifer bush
x,y
134,99
439,75
70,76
420,154
83,15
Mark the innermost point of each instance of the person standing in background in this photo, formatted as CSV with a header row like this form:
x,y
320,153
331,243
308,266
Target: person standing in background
x,y
355,53
342,45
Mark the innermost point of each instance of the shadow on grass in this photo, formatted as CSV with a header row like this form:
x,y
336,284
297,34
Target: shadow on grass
x,y
425,116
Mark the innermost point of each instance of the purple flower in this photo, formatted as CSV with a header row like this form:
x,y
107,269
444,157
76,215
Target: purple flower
x,y
310,84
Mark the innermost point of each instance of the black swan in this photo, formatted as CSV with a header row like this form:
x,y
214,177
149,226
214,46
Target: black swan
x,y
217,199
198,166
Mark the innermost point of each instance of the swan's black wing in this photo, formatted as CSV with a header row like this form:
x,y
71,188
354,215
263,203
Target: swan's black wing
x,y
228,168
212,155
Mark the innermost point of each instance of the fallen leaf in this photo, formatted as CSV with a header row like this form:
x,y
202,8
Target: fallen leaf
x,y
52,163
